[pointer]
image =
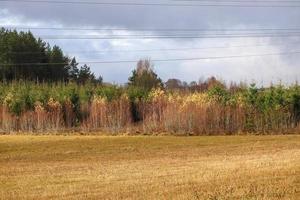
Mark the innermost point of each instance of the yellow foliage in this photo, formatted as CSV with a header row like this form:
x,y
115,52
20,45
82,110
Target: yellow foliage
x,y
38,107
99,100
156,94
53,104
8,99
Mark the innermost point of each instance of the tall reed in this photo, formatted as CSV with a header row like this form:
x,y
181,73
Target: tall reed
x,y
46,108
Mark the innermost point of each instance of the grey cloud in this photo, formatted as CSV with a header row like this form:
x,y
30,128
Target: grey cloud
x,y
261,69
148,16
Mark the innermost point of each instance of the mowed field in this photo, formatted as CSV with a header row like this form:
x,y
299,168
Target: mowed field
x,y
161,167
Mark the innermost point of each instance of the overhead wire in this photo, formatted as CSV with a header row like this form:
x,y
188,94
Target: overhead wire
x,y
209,4
150,29
241,1
159,60
135,37
151,50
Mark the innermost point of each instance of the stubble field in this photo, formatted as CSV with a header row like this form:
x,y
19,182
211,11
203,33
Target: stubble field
x,y
162,167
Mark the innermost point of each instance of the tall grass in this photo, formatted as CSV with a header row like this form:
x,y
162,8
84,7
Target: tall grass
x,y
40,108
113,116
200,114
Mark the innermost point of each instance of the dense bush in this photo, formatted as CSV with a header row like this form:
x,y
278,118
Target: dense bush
x,y
27,106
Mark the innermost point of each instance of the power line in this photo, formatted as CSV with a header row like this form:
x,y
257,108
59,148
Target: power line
x,y
151,29
237,34
159,60
163,37
172,34
240,1
150,50
152,4
137,37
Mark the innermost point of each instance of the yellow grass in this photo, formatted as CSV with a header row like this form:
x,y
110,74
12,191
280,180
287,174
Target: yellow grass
x,y
78,167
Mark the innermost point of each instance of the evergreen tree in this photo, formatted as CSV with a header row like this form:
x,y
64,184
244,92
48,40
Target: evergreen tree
x,y
144,76
73,70
85,75
22,56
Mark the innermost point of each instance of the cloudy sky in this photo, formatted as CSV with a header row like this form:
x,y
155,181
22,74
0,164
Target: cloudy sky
x,y
216,36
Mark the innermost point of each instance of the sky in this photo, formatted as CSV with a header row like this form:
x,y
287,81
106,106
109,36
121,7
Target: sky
x,y
284,68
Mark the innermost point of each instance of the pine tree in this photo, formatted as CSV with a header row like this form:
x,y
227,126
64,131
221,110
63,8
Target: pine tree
x,y
144,76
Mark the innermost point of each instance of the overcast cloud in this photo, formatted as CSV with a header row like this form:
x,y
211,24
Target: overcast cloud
x,y
260,69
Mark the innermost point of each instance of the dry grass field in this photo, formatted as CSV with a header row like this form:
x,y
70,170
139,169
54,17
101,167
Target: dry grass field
x,y
90,167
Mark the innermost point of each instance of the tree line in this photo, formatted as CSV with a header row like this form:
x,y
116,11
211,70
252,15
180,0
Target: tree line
x,y
69,96
25,57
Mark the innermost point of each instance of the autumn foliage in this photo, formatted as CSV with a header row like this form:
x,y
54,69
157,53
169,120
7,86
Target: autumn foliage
x,y
40,108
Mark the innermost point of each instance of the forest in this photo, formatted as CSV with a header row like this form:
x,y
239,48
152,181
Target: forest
x,y
43,90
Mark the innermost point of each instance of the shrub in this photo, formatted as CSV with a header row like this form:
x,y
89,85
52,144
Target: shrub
x,y
37,107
